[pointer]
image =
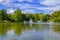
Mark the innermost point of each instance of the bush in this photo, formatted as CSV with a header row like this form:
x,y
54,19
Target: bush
x,y
5,21
1,21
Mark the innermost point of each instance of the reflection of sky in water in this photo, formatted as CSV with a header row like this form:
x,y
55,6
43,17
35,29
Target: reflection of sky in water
x,y
32,34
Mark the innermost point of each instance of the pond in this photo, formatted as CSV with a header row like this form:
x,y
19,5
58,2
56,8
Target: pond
x,y
20,31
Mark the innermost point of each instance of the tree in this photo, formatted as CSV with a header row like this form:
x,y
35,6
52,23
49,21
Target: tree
x,y
41,16
3,14
46,17
0,15
35,17
9,17
27,17
56,16
18,16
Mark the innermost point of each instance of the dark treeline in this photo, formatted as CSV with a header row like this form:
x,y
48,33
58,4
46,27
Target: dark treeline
x,y
18,16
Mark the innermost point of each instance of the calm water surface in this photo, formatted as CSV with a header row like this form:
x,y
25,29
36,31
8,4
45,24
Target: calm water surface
x,y
20,31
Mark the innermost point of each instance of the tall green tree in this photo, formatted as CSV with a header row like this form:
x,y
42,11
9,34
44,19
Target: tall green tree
x,y
27,17
56,16
41,16
3,14
18,16
9,17
46,17
0,15
35,17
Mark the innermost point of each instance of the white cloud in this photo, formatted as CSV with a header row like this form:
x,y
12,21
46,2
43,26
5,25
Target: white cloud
x,y
50,2
24,6
48,9
28,11
1,1
27,6
10,10
25,0
6,2
53,5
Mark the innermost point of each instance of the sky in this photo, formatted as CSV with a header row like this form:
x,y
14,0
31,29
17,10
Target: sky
x,y
31,6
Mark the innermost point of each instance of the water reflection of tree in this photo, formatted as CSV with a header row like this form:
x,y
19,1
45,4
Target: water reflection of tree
x,y
4,27
27,27
19,28
40,26
56,28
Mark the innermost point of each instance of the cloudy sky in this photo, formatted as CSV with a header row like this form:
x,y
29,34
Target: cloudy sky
x,y
31,6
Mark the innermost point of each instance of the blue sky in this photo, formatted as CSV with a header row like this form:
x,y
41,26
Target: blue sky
x,y
31,6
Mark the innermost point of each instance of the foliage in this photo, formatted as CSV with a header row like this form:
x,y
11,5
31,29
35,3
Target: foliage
x,y
56,16
3,14
35,17
18,16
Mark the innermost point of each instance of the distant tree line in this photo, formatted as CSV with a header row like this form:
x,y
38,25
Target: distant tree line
x,y
18,16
